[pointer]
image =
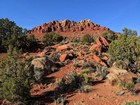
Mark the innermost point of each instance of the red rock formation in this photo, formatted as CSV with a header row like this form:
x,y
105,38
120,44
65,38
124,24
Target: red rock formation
x,y
96,47
43,53
80,54
98,60
101,41
104,41
68,28
62,47
63,57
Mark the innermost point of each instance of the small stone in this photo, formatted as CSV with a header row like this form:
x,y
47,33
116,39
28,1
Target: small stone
x,y
120,93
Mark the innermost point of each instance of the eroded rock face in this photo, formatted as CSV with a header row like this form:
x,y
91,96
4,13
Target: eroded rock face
x,y
68,28
101,41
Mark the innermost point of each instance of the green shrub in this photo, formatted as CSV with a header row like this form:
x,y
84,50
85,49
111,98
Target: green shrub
x,y
32,43
102,71
126,48
76,64
129,32
75,40
121,64
16,80
87,70
11,34
84,89
109,36
60,100
71,82
132,103
87,64
55,57
51,38
127,85
87,39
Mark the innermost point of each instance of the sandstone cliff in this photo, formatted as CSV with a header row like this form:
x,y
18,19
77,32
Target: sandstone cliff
x,y
69,28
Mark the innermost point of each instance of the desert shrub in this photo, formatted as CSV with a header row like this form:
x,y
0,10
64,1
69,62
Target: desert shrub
x,y
87,70
87,64
102,71
11,34
87,39
71,82
75,40
127,85
32,43
137,80
16,78
51,38
60,100
129,32
121,64
84,89
55,57
76,64
109,36
132,103
126,47
13,52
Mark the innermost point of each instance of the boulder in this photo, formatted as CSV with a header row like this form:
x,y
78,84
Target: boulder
x,y
98,41
117,75
80,54
55,46
63,57
96,47
98,60
105,58
43,53
42,66
63,48
104,41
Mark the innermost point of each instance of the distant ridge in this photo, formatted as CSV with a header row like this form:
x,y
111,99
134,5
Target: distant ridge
x,y
69,28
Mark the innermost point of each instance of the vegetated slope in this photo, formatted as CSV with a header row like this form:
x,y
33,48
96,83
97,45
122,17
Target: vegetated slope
x,y
69,28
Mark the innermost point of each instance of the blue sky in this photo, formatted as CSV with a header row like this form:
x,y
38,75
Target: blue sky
x,y
114,14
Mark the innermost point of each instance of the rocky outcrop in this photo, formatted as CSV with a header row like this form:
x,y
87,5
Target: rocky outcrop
x,y
64,47
117,75
42,67
100,42
63,57
69,28
98,60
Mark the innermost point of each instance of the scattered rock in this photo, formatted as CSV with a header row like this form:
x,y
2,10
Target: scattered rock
x,y
120,93
63,57
80,54
43,53
98,60
55,46
96,47
63,48
104,41
42,66
116,75
105,58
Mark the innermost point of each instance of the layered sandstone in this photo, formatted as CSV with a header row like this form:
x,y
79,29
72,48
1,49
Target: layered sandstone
x,y
69,28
